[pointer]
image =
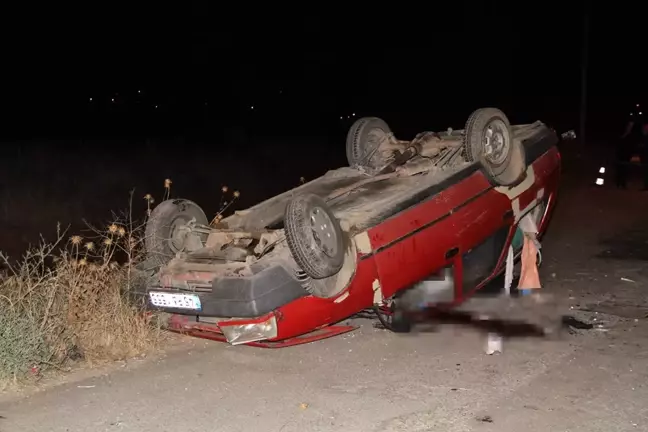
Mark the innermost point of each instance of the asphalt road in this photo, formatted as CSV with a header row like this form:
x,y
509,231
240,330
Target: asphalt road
x,y
372,380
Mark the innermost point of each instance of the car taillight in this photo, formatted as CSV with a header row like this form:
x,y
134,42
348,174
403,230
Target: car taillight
x,y
247,331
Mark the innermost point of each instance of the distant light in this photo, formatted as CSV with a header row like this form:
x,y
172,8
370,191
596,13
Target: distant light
x,y
156,106
602,170
599,181
640,113
113,99
90,99
353,115
630,114
637,105
341,117
139,91
252,107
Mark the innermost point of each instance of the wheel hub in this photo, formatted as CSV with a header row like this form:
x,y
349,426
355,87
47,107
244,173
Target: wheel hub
x,y
496,142
374,139
323,231
178,232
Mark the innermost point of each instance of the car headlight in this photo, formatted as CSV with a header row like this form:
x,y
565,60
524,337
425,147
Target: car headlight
x,y
249,331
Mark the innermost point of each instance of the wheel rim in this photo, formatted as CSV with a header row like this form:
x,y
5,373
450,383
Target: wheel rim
x,y
376,135
496,142
176,237
324,232
374,138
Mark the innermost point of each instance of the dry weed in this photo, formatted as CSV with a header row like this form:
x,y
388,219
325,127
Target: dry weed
x,y
224,204
71,299
67,301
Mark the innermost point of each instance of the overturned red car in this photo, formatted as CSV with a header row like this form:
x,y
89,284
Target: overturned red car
x,y
443,206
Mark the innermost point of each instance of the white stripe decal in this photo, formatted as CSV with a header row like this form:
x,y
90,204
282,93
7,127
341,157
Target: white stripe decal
x,y
514,192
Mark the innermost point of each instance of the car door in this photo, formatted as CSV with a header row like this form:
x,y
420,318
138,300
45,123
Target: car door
x,y
443,231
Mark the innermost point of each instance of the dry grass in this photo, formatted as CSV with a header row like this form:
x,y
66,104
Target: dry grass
x,y
71,299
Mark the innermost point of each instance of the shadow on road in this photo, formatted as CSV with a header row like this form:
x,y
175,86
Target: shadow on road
x,y
631,244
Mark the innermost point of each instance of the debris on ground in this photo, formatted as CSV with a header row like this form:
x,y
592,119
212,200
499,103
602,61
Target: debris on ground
x,y
493,344
572,322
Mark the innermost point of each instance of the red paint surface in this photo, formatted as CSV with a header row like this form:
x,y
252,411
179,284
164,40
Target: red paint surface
x,y
418,254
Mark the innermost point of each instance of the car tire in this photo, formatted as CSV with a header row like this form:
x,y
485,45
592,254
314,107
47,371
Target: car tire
x,y
503,162
363,139
397,320
161,227
314,236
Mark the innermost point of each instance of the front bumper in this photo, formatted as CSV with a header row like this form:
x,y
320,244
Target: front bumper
x,y
270,286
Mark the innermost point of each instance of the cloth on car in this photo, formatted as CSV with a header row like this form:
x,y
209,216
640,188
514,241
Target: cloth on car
x,y
529,276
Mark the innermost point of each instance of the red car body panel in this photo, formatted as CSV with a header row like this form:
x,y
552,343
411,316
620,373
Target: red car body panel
x,y
423,239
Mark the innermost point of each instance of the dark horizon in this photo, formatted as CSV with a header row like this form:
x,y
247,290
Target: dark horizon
x,y
205,74
68,158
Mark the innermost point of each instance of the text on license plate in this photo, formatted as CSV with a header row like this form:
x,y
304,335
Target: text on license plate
x,y
173,300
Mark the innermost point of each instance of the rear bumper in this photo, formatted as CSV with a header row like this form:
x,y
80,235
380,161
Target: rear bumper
x,y
269,287
260,332
235,332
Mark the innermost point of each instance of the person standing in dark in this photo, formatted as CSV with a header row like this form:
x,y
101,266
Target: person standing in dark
x,y
627,145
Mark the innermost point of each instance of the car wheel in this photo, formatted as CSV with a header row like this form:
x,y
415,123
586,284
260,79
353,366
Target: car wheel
x,y
488,139
163,234
394,319
363,140
314,236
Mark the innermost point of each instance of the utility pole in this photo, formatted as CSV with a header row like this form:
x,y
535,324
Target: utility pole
x,y
584,67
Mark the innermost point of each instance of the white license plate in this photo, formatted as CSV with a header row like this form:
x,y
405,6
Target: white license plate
x,y
173,300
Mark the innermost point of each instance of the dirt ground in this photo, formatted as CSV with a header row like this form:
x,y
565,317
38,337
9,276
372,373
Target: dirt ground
x,y
595,257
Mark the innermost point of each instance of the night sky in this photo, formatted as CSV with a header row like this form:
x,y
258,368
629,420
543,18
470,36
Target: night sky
x,y
186,77
427,67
